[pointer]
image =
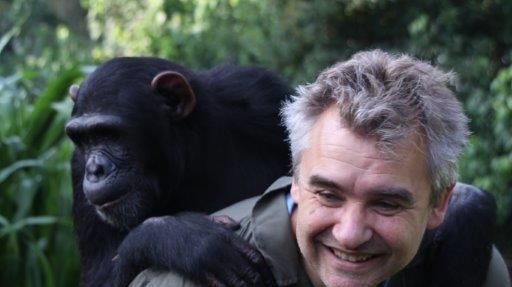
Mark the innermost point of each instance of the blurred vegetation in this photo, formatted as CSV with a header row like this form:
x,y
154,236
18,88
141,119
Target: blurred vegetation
x,y
45,46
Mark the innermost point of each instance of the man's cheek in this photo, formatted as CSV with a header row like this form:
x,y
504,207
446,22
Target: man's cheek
x,y
403,242
316,218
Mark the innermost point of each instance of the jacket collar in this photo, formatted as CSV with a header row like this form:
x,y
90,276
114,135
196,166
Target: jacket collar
x,y
274,237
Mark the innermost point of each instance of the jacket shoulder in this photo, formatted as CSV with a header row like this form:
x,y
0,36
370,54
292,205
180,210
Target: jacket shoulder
x,y
240,209
243,208
153,278
497,274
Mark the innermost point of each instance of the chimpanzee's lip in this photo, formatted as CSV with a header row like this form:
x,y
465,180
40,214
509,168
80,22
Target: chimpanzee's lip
x,y
104,192
112,203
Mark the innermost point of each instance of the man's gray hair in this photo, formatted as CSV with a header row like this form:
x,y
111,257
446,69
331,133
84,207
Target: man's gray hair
x,y
389,97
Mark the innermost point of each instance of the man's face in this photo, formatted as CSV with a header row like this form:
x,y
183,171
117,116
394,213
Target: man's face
x,y
360,215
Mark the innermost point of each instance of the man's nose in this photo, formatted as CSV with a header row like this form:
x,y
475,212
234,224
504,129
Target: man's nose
x,y
353,229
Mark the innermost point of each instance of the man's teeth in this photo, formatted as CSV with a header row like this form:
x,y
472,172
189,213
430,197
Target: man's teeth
x,y
350,258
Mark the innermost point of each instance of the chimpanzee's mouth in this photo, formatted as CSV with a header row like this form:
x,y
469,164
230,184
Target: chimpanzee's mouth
x,y
123,212
112,203
105,192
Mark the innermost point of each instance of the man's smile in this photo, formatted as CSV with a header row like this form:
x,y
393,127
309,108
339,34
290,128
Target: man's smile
x,y
354,258
353,262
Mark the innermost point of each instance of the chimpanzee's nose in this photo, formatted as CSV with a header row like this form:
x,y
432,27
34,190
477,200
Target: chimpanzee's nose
x,y
98,167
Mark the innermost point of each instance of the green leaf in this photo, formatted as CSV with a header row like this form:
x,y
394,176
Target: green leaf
x,y
8,36
29,221
42,114
6,172
3,221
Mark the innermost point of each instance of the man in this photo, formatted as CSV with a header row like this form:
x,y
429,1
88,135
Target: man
x,y
375,142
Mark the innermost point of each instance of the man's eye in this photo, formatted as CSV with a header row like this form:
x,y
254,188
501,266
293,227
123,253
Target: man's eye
x,y
388,207
328,197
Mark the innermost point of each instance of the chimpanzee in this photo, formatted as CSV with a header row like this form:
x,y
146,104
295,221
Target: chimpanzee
x,y
154,138
458,252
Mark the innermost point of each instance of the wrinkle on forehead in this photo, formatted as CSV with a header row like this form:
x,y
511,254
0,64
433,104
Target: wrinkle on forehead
x,y
330,128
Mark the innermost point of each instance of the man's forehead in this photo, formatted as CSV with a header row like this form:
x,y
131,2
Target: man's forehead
x,y
330,129
335,149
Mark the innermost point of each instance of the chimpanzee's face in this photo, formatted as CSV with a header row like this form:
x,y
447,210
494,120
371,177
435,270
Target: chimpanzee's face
x,y
112,170
118,150
126,126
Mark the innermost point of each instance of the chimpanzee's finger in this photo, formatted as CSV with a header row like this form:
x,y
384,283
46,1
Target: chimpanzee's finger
x,y
257,272
212,281
225,221
223,275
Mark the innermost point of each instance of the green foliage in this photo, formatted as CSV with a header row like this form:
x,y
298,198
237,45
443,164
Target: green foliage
x,y
40,39
496,150
36,241
33,37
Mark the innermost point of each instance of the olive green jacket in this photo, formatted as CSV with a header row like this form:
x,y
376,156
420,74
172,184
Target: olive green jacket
x,y
264,222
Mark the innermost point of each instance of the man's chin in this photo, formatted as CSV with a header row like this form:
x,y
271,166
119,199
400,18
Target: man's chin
x,y
348,282
365,270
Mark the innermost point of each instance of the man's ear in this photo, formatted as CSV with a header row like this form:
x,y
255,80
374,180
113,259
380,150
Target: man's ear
x,y
295,193
439,210
294,190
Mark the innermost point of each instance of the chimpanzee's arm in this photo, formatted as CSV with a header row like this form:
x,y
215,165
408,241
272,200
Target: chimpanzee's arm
x,y
456,253
195,246
463,243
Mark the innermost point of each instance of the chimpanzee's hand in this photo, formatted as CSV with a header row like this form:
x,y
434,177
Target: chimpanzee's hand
x,y
201,248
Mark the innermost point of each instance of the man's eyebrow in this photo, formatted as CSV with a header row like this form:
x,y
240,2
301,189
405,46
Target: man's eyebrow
x,y
401,194
317,180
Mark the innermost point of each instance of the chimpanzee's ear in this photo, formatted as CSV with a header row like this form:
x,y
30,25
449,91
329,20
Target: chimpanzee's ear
x,y
73,91
177,91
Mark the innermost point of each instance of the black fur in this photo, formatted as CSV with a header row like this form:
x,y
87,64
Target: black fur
x,y
458,252
230,147
214,259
